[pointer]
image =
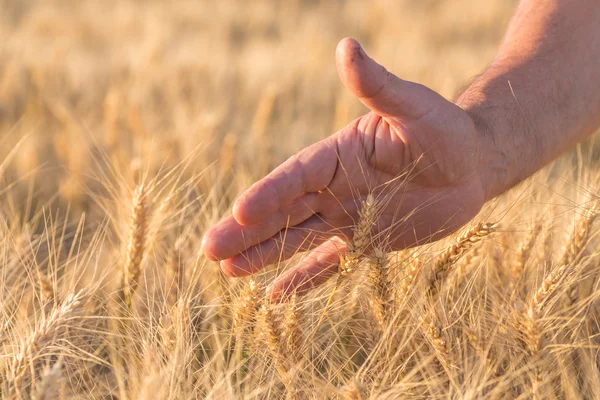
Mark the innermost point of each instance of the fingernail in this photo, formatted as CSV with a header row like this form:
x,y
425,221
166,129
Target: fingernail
x,y
226,270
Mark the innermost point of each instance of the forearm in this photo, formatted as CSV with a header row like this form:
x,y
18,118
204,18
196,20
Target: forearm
x,y
541,94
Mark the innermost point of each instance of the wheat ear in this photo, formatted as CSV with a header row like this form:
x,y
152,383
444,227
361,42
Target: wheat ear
x,y
268,333
355,250
524,252
136,244
452,254
548,286
291,332
531,328
533,334
361,236
47,329
244,313
575,247
411,271
381,299
438,342
578,238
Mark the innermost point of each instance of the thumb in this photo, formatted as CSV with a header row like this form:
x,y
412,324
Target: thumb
x,y
380,90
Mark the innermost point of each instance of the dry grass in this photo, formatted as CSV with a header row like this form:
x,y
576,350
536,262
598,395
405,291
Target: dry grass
x,y
127,129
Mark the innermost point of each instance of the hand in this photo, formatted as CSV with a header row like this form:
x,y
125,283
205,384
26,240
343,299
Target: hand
x,y
418,153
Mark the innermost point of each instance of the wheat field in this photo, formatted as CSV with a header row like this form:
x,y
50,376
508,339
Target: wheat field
x,y
128,128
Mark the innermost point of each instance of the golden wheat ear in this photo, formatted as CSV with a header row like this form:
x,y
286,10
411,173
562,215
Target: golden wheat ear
x,y
524,252
291,332
578,238
136,244
452,254
361,238
381,287
355,250
49,327
438,341
244,309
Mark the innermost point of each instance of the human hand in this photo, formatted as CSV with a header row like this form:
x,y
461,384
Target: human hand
x,y
417,153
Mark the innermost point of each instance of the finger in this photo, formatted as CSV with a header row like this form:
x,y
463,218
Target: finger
x,y
312,271
378,89
228,237
280,247
311,170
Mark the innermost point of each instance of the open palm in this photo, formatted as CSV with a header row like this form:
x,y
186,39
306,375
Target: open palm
x,y
415,152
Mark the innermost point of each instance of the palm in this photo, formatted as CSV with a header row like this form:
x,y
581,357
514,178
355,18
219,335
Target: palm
x,y
415,152
440,191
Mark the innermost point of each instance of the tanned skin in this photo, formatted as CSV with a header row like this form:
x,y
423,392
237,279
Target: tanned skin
x,y
432,163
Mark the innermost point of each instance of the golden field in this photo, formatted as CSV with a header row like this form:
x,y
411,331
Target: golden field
x,y
127,128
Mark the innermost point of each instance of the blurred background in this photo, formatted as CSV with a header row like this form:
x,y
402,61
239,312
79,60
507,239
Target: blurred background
x,y
129,126
141,85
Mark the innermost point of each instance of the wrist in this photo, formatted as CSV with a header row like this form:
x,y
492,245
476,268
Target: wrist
x,y
493,162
